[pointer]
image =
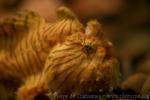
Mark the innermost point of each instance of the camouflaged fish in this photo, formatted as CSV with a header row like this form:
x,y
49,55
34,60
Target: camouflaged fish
x,y
82,64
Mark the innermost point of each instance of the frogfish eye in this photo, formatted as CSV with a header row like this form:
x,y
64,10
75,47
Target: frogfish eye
x,y
88,48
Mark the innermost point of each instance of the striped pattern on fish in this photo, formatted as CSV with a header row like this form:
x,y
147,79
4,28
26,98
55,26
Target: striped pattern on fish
x,y
27,39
